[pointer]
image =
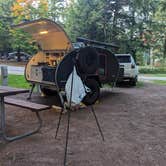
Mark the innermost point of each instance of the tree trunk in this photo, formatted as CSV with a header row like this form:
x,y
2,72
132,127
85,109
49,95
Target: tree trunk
x,y
164,52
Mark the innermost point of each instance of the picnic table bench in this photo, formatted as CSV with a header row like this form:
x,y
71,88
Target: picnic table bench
x,y
34,107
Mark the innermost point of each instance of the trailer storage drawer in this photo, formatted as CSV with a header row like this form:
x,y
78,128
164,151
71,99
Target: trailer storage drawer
x,y
36,73
48,73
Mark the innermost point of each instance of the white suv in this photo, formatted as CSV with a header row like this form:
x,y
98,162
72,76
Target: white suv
x,y
127,62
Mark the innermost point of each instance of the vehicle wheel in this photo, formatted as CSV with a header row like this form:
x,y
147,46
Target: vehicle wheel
x,y
133,82
118,84
88,60
91,97
48,92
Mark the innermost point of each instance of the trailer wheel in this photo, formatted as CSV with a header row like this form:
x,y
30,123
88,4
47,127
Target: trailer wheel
x,y
48,92
87,60
92,96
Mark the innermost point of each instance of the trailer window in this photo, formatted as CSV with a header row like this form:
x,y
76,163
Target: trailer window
x,y
124,59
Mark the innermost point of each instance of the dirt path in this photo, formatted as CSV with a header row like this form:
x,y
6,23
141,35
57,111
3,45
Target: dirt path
x,y
133,122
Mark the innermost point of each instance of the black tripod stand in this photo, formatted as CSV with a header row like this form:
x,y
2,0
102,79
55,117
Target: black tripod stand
x,y
68,119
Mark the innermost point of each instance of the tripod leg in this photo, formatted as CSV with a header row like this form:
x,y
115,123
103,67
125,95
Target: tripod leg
x,y
67,137
31,91
97,122
60,116
59,121
68,120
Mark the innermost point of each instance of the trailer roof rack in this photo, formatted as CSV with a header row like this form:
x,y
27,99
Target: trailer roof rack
x,y
96,43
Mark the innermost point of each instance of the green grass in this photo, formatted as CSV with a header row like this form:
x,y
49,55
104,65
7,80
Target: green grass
x,y
152,70
17,81
159,82
155,75
140,84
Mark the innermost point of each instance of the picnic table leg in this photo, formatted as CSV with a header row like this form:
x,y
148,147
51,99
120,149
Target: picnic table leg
x,y
2,112
30,92
60,115
7,138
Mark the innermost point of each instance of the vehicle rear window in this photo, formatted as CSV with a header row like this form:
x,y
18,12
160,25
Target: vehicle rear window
x,y
124,59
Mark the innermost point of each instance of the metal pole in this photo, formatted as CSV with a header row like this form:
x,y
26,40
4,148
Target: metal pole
x,y
30,92
97,122
4,75
2,114
60,116
68,113
67,136
38,91
59,122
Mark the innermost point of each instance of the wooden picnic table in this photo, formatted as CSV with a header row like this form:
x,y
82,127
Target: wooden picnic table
x,y
6,91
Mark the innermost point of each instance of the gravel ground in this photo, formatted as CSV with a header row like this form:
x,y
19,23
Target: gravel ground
x,y
133,122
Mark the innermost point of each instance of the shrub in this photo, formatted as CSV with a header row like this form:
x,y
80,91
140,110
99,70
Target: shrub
x,y
152,70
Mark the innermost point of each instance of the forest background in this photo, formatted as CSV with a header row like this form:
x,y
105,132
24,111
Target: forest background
x,y
137,26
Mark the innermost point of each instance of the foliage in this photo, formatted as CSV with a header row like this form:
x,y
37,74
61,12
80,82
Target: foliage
x,y
99,19
138,27
152,70
22,41
29,9
159,82
5,21
26,10
155,75
82,19
4,36
140,84
14,12
56,10
160,31
131,24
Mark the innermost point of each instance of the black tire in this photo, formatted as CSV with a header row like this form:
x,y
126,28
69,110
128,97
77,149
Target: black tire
x,y
48,92
92,96
88,60
118,84
133,82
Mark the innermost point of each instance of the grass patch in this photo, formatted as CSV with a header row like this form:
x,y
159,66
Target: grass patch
x,y
154,75
159,82
152,70
140,84
17,81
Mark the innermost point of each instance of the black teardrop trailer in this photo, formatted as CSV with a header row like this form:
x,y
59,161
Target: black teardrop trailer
x,y
53,63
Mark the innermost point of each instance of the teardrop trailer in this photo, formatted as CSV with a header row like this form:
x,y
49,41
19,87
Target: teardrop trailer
x,y
53,63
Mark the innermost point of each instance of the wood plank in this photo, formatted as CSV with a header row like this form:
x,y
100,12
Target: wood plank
x,y
26,104
8,88
6,91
